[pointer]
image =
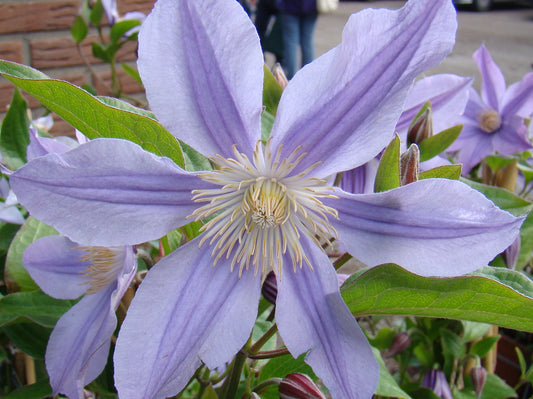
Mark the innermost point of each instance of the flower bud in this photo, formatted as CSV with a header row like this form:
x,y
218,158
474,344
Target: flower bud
x,y
299,386
270,288
400,343
409,165
478,376
421,128
511,254
436,381
279,75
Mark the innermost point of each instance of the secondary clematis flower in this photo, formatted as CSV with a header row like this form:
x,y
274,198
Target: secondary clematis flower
x,y
78,347
494,121
202,66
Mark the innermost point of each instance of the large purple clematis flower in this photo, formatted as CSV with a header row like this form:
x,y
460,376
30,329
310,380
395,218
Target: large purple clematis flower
x,y
202,66
494,121
78,347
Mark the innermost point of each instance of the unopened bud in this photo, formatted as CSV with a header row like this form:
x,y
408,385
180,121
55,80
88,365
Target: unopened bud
x,y
254,396
409,165
279,75
400,343
421,128
511,254
299,386
436,381
478,376
270,288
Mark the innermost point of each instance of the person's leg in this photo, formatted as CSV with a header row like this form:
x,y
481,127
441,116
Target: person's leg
x,y
262,19
291,37
307,37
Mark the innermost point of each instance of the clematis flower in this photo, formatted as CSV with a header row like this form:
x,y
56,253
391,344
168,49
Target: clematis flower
x,y
267,203
9,212
78,347
494,121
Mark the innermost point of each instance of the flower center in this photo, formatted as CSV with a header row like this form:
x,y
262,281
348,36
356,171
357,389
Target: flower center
x,y
489,121
261,210
104,266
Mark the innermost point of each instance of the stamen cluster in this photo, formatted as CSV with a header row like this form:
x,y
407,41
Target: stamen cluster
x,y
489,121
103,268
261,211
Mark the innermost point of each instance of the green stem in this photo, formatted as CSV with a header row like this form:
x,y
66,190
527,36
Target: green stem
x,y
230,386
267,354
265,384
263,340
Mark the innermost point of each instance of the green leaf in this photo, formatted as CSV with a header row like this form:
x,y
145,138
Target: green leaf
x,y
387,385
496,388
34,306
14,133
102,52
434,145
119,29
444,172
451,343
40,389
97,12
209,393
388,173
271,91
79,29
132,72
31,338
90,115
503,198
7,233
16,275
279,367
490,296
267,121
194,161
473,331
482,347
526,242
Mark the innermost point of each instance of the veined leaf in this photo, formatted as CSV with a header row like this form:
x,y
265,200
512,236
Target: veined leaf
x,y
90,115
491,295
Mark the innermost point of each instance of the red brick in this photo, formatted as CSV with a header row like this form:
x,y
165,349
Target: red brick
x,y
38,16
144,6
11,51
54,53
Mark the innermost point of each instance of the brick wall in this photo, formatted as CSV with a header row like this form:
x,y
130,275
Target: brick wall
x,y
37,33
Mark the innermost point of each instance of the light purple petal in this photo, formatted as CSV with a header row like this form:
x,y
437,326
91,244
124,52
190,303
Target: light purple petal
x,y
475,146
40,146
518,99
54,264
411,227
342,108
448,95
512,136
78,348
202,66
313,318
10,214
185,312
361,179
102,191
492,79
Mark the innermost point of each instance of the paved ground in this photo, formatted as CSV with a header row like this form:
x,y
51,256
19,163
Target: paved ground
x,y
507,32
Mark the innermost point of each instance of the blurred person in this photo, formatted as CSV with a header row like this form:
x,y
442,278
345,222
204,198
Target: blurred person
x,y
269,28
298,20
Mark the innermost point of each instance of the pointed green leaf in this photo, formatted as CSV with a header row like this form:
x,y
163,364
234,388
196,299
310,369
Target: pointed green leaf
x,y
132,72
279,367
493,295
267,121
79,29
90,115
388,173
503,198
34,306
209,393
444,172
496,388
482,347
271,91
41,389
14,133
97,12
435,145
16,276
119,29
387,385
31,338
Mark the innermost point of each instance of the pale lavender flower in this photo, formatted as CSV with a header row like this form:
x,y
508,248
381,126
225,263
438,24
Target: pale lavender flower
x,y
9,212
494,121
78,347
202,66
